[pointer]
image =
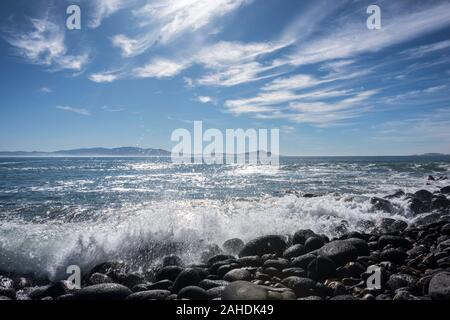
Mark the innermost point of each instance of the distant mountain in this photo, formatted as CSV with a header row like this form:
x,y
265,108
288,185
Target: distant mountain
x,y
432,155
124,151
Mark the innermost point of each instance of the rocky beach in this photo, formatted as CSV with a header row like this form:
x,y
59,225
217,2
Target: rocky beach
x,y
413,261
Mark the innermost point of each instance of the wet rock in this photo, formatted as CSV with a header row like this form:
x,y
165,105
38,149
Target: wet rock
x,y
302,287
404,296
355,269
237,275
360,245
242,290
446,229
394,255
417,206
37,293
233,246
313,243
294,251
340,251
301,236
215,293
8,292
311,298
440,202
250,261
193,293
279,264
382,205
423,195
149,295
445,190
264,245
344,297
439,287
99,278
397,281
303,261
219,258
172,260
188,277
289,272
168,273
336,288
395,241
321,268
106,291
160,285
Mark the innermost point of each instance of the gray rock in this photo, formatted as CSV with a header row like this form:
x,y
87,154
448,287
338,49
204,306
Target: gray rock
x,y
238,274
302,287
397,281
340,251
193,293
233,246
264,245
188,277
294,251
242,290
99,278
105,291
439,287
149,295
301,236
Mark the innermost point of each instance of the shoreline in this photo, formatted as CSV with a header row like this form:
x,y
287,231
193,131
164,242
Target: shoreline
x,y
410,262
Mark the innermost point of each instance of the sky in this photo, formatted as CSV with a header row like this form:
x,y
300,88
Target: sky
x,y
139,69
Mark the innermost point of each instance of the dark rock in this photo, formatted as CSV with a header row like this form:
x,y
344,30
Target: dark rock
x,y
66,297
360,245
238,275
382,205
233,246
365,224
193,293
311,298
397,281
108,268
313,243
321,268
188,277
404,296
395,241
242,290
431,178
423,195
417,206
149,295
279,264
301,236
445,190
397,226
439,287
215,293
355,269
172,260
340,251
37,293
168,273
303,261
289,272
105,291
8,292
58,289
446,229
264,245
21,283
250,261
337,288
440,202
219,258
99,278
394,255
294,251
160,285
302,287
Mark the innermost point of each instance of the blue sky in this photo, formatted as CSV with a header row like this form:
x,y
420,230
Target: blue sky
x,y
138,69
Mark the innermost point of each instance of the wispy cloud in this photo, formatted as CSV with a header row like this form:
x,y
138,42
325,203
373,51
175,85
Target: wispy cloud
x,y
83,112
163,21
112,109
45,90
159,68
204,99
102,9
426,49
43,43
103,77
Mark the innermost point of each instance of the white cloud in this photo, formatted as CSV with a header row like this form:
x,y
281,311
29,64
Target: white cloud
x,y
204,99
45,90
352,39
112,109
165,21
159,68
83,112
105,8
299,81
423,50
44,44
103,77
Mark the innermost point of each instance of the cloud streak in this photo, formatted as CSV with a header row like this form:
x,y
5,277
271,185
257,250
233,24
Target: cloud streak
x,y
80,111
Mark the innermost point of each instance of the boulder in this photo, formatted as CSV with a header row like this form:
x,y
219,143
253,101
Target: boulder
x,y
395,241
439,287
382,205
340,251
321,268
393,255
445,190
168,273
301,236
193,293
237,275
105,291
294,251
302,287
271,244
243,290
188,277
313,243
149,295
233,246
99,278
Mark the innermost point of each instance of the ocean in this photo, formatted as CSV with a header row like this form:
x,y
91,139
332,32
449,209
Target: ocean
x,y
56,212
